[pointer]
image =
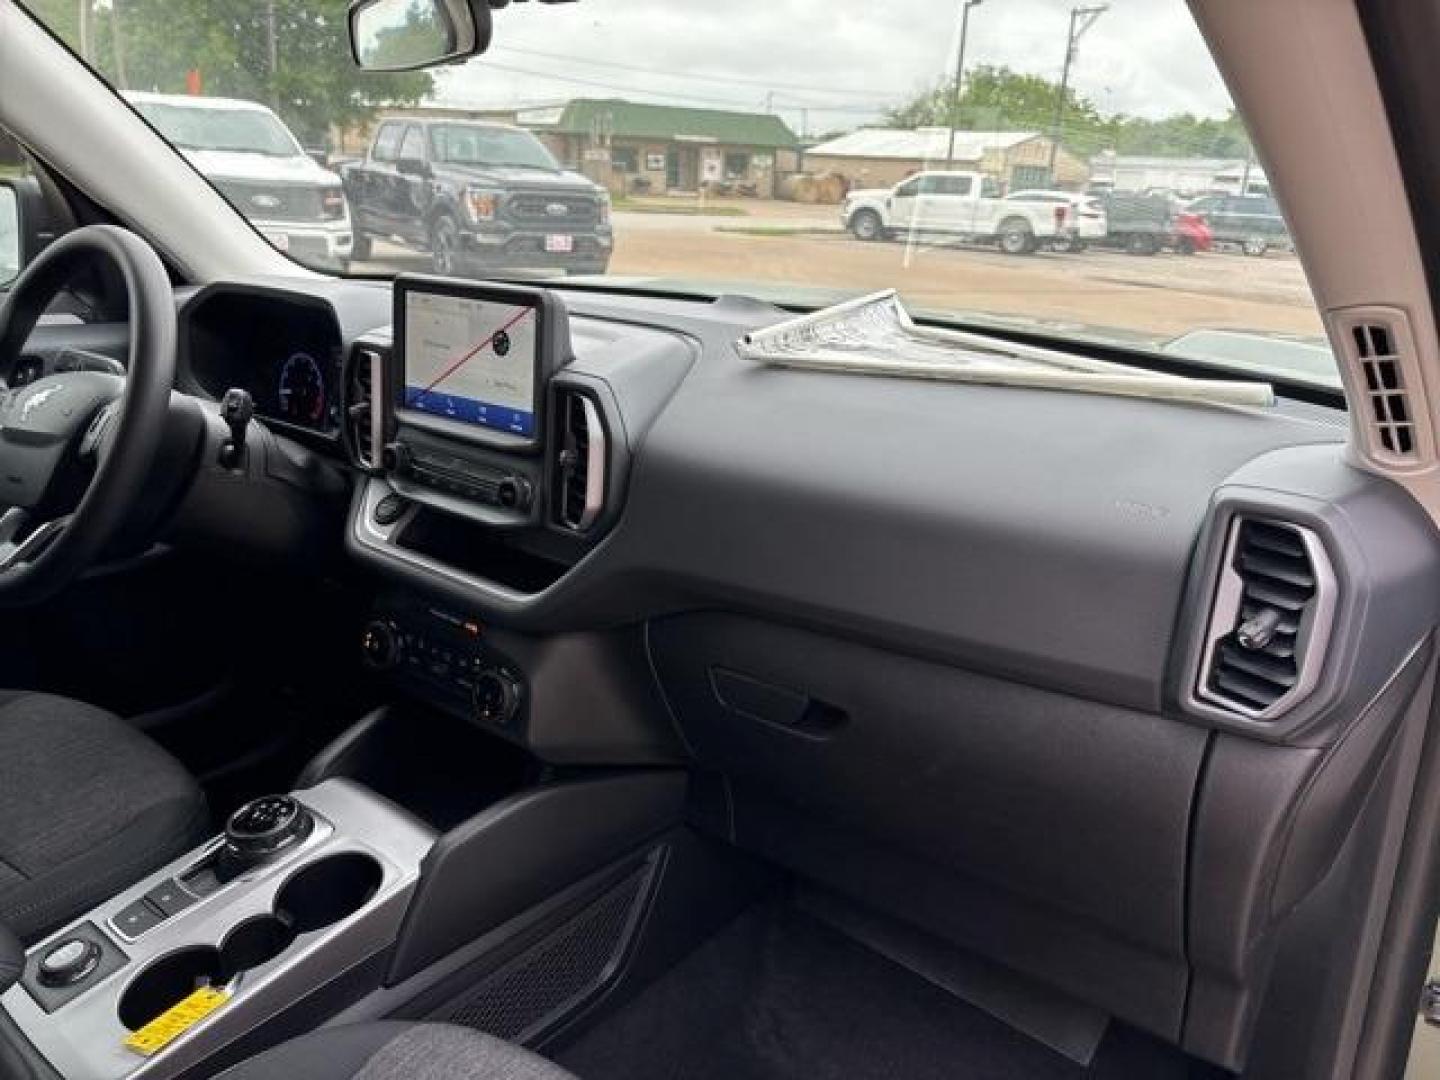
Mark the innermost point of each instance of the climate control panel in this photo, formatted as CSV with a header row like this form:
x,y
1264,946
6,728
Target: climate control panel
x,y
442,657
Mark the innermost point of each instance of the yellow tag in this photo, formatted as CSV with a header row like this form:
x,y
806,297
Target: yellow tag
x,y
176,1020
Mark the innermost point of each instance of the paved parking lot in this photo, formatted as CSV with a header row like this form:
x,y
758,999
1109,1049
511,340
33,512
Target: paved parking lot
x,y
1155,297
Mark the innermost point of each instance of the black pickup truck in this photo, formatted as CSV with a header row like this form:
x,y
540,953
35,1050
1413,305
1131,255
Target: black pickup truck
x,y
480,197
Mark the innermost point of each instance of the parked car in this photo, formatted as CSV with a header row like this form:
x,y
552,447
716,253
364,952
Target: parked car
x,y
1190,233
1250,222
255,161
479,197
1139,224
1089,213
964,205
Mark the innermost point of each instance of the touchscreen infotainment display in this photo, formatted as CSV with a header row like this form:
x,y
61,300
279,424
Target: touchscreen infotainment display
x,y
471,360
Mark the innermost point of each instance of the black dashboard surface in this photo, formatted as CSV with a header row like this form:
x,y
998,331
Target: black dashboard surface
x,y
1025,532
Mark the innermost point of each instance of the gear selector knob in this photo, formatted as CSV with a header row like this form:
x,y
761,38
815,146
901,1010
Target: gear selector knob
x,y
265,826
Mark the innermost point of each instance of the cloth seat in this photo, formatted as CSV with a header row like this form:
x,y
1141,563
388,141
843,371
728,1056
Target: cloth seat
x,y
396,1050
88,806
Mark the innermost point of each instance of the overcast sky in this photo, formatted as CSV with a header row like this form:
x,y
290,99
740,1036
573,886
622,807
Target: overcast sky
x,y
842,60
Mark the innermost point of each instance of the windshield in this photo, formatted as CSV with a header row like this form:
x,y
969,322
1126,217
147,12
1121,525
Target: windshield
x,y
799,152
238,130
471,144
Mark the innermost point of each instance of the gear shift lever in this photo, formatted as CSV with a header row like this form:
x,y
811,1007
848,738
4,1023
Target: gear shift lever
x,y
237,408
260,829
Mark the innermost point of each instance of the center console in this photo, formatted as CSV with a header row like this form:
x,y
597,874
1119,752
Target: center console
x,y
299,891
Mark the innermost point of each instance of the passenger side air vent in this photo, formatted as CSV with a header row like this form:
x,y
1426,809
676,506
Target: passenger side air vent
x,y
1271,619
1379,351
580,465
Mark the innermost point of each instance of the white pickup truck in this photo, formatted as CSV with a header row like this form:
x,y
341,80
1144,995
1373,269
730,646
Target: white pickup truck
x,y
963,205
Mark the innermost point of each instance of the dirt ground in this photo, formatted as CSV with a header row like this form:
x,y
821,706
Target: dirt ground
x,y
1154,297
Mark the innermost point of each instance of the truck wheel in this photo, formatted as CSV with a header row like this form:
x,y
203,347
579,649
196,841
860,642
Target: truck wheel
x,y
1256,246
1141,244
866,225
444,245
360,248
1016,237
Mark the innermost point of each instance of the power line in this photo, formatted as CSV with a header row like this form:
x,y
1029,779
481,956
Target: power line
x,y
725,79
729,103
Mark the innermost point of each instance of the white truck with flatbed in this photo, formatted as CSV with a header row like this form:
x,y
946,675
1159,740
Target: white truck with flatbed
x,y
963,206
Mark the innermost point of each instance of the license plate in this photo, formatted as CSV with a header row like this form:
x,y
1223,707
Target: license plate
x,y
559,244
280,240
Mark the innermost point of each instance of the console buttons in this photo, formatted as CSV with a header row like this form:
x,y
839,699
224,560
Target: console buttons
x,y
169,898
496,697
390,509
137,918
69,961
379,645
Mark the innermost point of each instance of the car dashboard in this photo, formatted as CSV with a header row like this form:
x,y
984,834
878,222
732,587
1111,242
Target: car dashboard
x,y
921,630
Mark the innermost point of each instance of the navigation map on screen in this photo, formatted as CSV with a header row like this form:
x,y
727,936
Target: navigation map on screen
x,y
471,360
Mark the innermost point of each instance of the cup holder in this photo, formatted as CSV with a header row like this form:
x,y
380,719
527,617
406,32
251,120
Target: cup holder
x,y
318,896
169,980
327,891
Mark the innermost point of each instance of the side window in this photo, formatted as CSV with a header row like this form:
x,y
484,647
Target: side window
x,y
989,188
909,188
413,146
387,143
954,185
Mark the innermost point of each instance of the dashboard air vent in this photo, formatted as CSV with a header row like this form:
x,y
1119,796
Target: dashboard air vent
x,y
364,423
1379,351
1271,619
580,491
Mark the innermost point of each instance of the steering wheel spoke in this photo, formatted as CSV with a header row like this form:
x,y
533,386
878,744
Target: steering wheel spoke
x,y
15,553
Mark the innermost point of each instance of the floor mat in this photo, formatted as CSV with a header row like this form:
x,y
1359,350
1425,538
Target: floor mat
x,y
780,996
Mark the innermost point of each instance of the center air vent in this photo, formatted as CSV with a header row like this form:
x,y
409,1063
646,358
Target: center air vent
x,y
364,423
1270,621
580,467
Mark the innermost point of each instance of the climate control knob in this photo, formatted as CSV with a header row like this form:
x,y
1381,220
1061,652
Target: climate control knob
x,y
496,697
380,645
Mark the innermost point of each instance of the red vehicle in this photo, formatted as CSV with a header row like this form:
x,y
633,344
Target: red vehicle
x,y
1192,233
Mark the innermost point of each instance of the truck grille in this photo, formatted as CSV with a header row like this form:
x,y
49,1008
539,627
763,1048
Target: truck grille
x,y
535,245
538,210
273,202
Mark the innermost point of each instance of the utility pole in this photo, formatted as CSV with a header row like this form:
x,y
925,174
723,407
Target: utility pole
x,y
272,45
83,17
770,101
1081,19
117,40
954,110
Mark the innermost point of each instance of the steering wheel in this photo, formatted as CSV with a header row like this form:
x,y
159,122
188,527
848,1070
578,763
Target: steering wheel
x,y
55,429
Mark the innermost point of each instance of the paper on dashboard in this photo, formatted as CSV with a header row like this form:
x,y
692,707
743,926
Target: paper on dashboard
x,y
875,335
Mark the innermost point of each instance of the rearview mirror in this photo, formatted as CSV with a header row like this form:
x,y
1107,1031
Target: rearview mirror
x,y
403,35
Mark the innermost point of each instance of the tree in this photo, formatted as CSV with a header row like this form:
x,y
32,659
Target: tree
x,y
312,83
998,99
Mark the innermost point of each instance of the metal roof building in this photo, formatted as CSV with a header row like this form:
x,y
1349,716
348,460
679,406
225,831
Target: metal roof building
x,y
874,157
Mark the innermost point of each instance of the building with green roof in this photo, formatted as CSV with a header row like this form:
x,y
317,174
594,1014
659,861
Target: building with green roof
x,y
634,146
